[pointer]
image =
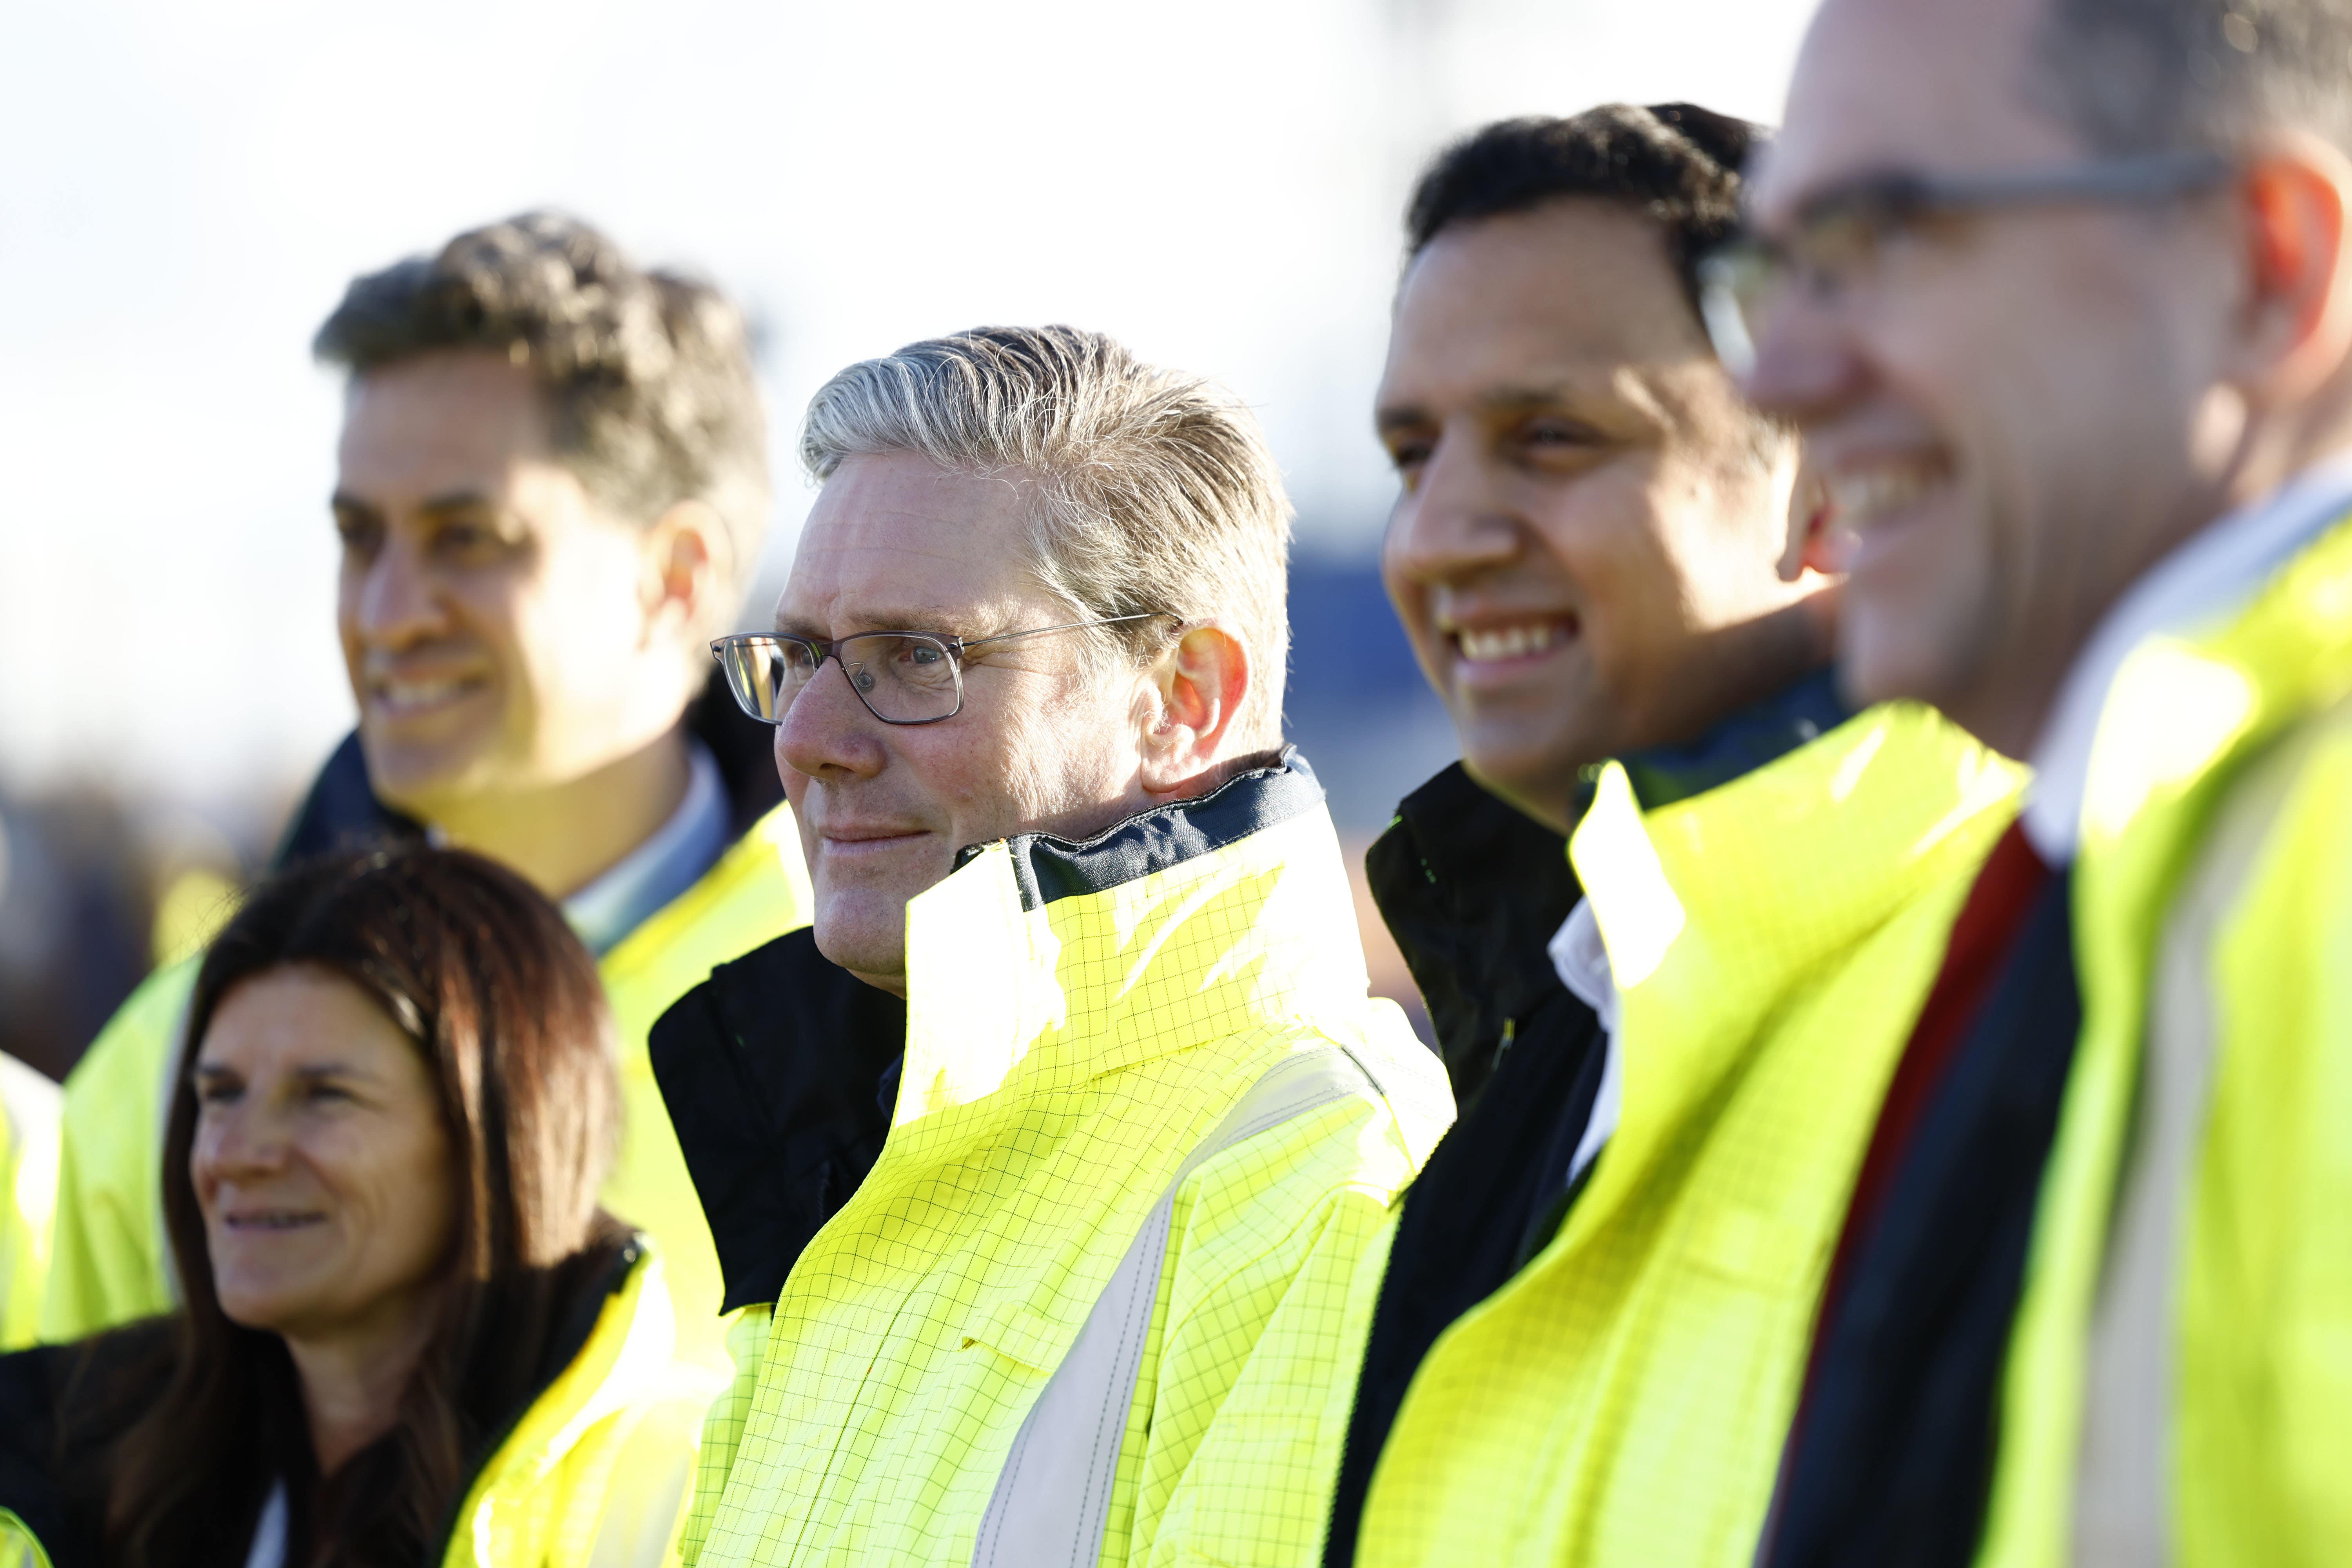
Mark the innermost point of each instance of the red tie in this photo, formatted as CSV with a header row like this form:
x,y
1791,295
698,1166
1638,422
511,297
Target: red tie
x,y
1981,939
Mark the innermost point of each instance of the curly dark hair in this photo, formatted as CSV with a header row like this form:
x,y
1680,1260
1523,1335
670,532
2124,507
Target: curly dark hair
x,y
647,375
1676,162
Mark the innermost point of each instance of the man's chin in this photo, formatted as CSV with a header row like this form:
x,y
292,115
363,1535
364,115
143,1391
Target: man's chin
x,y
427,782
1888,654
862,930
1530,779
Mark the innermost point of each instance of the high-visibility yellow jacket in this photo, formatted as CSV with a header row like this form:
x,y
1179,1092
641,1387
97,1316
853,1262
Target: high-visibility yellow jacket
x,y
599,1469
29,1109
1085,1307
110,1264
2261,1405
1624,1398
596,1471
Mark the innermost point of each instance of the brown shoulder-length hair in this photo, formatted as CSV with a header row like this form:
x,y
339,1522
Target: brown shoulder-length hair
x,y
506,1010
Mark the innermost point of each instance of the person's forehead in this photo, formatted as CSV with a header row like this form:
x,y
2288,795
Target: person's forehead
x,y
1913,85
290,1015
1563,297
896,542
439,421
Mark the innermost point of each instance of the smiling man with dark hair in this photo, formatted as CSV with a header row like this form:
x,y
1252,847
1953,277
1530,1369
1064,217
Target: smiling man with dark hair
x,y
1674,910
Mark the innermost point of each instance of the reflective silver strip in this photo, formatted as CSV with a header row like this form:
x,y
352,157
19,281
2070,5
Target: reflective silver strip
x,y
1054,1496
2124,1511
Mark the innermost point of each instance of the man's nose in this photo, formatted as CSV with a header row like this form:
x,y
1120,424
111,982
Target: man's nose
x,y
1807,362
827,733
1456,521
399,602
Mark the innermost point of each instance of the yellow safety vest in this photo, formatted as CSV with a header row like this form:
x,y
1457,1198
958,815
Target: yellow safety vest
x,y
597,1471
2260,1440
110,1263
1086,1306
19,1547
1623,1399
29,1109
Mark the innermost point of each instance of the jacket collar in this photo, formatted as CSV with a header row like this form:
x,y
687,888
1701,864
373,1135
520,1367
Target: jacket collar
x,y
1471,890
2200,585
1713,909
1041,961
1758,734
1474,892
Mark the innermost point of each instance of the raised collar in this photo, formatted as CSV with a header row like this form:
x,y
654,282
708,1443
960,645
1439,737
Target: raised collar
x,y
1762,732
1712,908
2202,581
1041,962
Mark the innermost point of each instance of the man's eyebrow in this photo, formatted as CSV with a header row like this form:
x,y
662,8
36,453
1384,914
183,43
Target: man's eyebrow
x,y
887,619
461,500
343,501
1535,396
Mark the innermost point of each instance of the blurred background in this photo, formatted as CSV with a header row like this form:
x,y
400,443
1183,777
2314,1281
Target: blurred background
x,y
184,191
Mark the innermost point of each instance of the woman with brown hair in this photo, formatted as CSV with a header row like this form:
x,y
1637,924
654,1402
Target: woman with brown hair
x,y
409,1335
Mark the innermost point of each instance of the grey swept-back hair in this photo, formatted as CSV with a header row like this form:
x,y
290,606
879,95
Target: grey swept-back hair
x,y
1155,490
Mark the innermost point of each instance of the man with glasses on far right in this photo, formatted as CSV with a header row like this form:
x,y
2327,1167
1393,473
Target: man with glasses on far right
x,y
2060,293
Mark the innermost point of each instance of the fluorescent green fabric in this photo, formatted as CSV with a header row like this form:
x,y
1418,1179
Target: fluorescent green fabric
x,y
599,1469
2261,1446
29,1109
110,1263
19,1548
1061,1064
1623,1399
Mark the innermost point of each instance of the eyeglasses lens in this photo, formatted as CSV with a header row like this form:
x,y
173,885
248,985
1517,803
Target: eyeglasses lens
x,y
1735,285
903,678
765,675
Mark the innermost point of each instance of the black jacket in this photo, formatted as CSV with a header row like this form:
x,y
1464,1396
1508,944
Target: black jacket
x,y
780,1072
1473,892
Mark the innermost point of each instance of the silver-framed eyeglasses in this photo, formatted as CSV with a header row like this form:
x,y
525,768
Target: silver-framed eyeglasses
x,y
903,678
1839,236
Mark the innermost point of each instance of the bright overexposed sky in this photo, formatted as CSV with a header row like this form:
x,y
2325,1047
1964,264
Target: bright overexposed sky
x,y
184,190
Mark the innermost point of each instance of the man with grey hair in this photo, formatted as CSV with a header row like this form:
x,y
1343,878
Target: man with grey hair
x,y
1026,684
2061,292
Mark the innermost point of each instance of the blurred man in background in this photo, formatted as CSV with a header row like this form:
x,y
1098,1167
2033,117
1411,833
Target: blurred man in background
x,y
552,492
1592,1324
2062,292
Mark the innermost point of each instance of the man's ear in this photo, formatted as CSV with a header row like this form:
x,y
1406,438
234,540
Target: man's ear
x,y
1199,682
2295,196
690,571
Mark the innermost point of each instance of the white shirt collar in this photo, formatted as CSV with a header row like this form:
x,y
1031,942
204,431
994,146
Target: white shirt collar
x,y
2205,577
1581,960
672,858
